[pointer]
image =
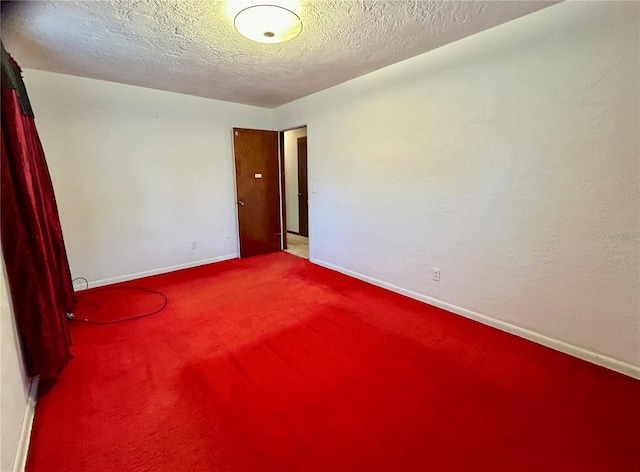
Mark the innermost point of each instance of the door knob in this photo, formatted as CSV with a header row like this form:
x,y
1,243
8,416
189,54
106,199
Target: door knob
x,y
240,202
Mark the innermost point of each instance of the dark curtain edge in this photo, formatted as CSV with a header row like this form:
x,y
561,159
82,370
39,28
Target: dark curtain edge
x,y
12,78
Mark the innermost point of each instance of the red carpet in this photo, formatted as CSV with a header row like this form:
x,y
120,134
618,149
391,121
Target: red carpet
x,y
272,363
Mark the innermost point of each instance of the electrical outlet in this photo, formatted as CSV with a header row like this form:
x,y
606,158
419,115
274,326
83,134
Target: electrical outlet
x,y
436,275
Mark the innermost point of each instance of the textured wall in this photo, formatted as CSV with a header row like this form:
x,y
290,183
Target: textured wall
x,y
139,174
15,384
291,174
509,160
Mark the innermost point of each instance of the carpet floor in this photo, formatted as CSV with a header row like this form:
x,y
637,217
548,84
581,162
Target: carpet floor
x,y
272,363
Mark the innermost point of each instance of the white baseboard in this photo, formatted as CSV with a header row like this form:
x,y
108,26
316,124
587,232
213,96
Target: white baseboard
x,y
20,460
581,353
124,278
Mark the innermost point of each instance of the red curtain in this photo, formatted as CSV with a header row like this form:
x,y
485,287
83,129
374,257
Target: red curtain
x,y
32,244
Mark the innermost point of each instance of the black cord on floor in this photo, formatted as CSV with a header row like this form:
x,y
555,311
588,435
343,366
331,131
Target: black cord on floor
x,y
97,306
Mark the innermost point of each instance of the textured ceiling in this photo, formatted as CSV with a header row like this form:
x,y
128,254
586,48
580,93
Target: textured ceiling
x,y
192,47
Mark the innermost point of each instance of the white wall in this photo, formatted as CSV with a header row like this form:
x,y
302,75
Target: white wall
x,y
509,160
139,174
291,174
14,383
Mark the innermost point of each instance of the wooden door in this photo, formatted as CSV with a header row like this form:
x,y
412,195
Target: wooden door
x,y
257,188
303,191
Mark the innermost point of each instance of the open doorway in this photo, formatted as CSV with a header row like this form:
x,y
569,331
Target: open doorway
x,y
295,192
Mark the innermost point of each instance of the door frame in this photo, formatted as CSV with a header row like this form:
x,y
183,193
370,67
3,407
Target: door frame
x,y
283,221
283,202
283,192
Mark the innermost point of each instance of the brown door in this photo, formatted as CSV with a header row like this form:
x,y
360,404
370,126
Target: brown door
x,y
257,187
303,191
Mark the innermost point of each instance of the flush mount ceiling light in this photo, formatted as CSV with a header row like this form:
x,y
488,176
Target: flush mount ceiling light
x,y
268,24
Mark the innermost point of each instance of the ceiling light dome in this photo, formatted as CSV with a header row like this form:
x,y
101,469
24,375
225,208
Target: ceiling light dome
x,y
268,24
